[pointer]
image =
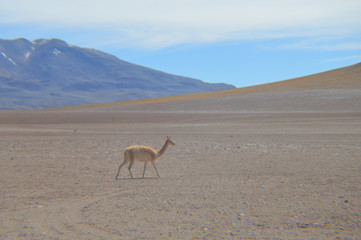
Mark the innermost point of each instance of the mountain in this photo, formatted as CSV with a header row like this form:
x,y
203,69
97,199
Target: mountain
x,y
52,73
335,90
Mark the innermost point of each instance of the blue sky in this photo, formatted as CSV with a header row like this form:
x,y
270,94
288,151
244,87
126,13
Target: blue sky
x,y
234,41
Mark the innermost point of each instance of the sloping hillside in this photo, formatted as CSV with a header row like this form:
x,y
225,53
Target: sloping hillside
x,y
339,88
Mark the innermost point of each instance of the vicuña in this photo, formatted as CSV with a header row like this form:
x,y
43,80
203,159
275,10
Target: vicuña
x,y
143,154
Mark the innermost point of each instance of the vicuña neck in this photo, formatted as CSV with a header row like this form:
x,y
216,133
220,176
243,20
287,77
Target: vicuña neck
x,y
161,151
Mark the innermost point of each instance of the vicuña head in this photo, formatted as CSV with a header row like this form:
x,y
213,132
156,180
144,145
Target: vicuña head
x,y
143,154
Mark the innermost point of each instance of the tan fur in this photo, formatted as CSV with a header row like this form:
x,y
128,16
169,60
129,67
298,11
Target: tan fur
x,y
143,154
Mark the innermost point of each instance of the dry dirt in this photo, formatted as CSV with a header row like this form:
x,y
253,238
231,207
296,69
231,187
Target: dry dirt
x,y
262,175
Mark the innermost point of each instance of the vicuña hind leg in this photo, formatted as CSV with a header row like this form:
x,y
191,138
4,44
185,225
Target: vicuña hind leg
x,y
130,166
145,166
121,165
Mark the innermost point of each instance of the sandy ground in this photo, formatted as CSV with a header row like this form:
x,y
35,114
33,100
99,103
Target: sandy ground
x,y
230,176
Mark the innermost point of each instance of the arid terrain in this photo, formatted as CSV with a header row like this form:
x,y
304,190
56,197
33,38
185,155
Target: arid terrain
x,y
281,165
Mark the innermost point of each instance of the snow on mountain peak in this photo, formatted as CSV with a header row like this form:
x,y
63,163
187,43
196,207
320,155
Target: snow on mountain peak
x,y
4,54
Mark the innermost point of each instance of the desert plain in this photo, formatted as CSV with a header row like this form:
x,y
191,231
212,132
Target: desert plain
x,y
282,165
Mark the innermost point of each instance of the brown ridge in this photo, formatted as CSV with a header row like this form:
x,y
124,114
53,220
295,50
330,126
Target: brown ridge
x,y
342,78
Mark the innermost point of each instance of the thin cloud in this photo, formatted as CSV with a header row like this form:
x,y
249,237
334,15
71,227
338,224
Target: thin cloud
x,y
342,59
330,43
162,23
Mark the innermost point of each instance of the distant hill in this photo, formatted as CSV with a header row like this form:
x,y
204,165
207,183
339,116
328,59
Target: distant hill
x,y
52,73
334,90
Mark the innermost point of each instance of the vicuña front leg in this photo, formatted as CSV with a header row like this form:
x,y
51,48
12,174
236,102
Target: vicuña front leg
x,y
153,163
